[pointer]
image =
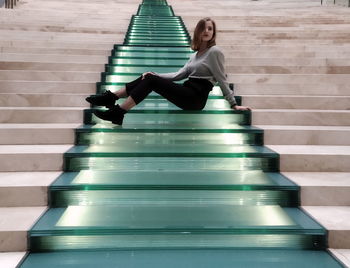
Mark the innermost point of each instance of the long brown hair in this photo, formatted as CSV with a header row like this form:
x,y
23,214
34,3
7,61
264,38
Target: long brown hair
x,y
196,42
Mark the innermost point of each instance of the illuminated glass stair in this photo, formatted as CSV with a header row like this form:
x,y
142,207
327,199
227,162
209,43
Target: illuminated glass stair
x,y
94,187
170,187
262,258
158,226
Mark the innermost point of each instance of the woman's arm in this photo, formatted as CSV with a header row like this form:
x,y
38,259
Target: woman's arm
x,y
217,67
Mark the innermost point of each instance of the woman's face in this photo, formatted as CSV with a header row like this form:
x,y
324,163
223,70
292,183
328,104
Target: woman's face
x,y
208,32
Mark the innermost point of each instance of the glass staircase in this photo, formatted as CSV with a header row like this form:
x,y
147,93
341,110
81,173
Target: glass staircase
x,y
170,187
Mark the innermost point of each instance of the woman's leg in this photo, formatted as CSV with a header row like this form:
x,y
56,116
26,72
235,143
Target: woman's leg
x,y
182,96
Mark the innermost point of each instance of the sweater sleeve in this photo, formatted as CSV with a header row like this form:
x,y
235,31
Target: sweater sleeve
x,y
217,67
179,75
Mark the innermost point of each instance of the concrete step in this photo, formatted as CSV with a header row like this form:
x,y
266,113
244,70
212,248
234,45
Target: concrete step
x,y
48,87
25,158
322,188
51,66
301,117
11,259
14,226
43,100
37,134
288,70
29,35
312,89
313,158
41,115
297,102
336,220
290,78
57,58
25,189
305,135
285,62
64,51
25,75
74,44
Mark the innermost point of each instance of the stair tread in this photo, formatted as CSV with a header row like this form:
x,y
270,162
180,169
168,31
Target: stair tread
x,y
133,149
176,179
311,149
181,258
319,179
333,218
197,218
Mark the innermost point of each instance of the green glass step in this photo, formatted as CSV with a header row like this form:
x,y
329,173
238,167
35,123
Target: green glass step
x,y
158,149
156,35
170,118
175,227
161,187
148,38
109,135
157,42
138,70
155,18
73,197
154,2
152,55
173,180
167,157
167,49
149,127
148,27
152,11
237,258
153,61
270,164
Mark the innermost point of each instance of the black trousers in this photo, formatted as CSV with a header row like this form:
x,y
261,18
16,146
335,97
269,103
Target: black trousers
x,y
192,95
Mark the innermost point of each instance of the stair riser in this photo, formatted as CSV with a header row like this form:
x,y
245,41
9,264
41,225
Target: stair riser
x,y
325,196
49,243
13,241
122,197
315,163
144,163
23,196
31,162
51,66
176,117
53,58
215,138
36,136
49,76
301,118
306,137
41,116
47,87
43,100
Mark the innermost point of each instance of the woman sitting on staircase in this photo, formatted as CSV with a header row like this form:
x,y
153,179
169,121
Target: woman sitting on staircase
x,y
204,68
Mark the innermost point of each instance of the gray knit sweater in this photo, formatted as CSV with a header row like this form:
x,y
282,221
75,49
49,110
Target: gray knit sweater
x,y
210,66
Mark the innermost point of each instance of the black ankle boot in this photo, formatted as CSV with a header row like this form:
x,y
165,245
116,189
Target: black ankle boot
x,y
107,99
115,114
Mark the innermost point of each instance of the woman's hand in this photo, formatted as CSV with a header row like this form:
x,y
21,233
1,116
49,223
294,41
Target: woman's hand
x,y
241,108
147,73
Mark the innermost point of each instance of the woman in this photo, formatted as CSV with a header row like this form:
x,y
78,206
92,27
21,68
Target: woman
x,y
204,68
